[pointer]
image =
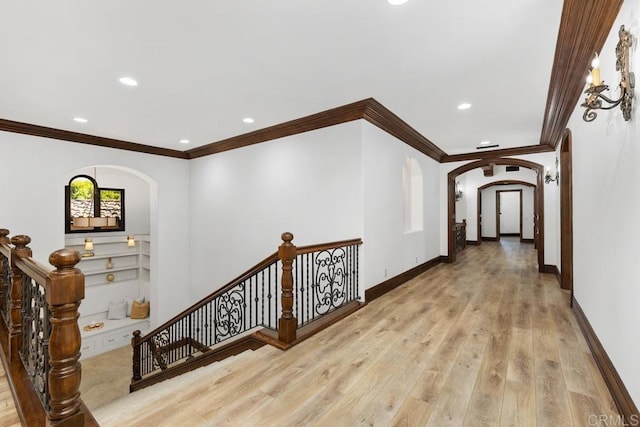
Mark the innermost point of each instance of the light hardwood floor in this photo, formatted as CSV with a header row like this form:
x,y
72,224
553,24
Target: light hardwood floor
x,y
486,341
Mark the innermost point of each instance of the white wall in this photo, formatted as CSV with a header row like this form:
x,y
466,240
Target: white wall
x,y
243,200
388,250
34,173
606,159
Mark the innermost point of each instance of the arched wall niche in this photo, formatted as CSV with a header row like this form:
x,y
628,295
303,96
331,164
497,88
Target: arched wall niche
x,y
538,201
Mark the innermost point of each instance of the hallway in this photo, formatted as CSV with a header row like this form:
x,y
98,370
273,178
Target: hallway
x,y
487,340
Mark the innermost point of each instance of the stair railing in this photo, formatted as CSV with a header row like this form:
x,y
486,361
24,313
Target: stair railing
x,y
40,334
315,281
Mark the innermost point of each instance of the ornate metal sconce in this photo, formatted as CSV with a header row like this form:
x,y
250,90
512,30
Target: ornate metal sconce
x,y
595,97
458,192
548,178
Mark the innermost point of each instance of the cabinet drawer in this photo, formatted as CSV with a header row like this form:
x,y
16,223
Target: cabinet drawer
x,y
117,338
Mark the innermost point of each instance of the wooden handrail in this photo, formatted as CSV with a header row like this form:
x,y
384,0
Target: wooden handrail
x,y
331,245
271,259
34,269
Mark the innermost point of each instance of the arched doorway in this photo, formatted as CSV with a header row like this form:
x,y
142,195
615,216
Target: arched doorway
x,y
496,183
538,202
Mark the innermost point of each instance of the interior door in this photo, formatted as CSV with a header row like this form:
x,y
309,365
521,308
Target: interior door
x,y
509,212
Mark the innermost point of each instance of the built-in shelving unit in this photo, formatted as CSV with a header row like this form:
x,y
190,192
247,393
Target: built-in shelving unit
x,y
113,273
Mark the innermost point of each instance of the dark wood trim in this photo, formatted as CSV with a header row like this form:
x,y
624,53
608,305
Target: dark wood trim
x,y
83,138
383,118
489,239
506,182
307,331
332,117
526,240
321,247
473,242
382,288
552,269
584,28
248,342
368,109
616,386
538,201
492,154
510,234
566,212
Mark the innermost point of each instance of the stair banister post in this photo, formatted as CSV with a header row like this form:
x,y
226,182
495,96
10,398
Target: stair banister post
x,y
64,291
135,343
20,250
287,324
3,236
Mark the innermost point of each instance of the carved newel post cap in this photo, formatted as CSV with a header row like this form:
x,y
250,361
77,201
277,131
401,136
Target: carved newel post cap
x,y
3,233
20,241
64,258
287,237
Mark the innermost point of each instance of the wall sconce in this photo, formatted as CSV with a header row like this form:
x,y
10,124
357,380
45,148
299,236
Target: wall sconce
x,y
458,192
130,241
88,247
548,178
594,98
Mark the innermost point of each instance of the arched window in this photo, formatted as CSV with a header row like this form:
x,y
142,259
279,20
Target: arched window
x,y
89,208
412,183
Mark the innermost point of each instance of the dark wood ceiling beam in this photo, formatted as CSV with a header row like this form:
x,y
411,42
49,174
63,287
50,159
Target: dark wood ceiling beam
x,y
83,138
584,28
505,152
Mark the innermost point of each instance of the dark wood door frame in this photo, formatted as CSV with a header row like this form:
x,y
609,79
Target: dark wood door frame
x,y
566,213
538,202
499,210
503,182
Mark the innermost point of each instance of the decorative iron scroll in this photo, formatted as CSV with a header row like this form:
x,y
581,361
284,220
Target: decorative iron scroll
x,y
325,280
250,303
36,330
7,277
330,280
230,309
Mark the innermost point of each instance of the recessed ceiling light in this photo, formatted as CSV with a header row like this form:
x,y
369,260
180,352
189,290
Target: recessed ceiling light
x,y
80,120
128,81
485,143
397,2
184,141
464,106
248,120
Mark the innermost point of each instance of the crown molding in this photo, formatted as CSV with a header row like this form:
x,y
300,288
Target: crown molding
x,y
83,138
367,109
506,152
584,28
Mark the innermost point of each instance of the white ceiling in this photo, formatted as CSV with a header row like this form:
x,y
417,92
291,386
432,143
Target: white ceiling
x,y
204,65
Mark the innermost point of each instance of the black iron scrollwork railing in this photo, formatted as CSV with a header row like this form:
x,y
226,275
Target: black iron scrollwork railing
x,y
316,280
247,302
326,279
36,330
6,286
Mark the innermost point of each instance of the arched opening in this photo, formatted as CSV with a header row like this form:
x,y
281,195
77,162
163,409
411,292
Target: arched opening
x,y
538,202
498,183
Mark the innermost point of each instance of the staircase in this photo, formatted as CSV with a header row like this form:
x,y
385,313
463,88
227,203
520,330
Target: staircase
x,y
282,300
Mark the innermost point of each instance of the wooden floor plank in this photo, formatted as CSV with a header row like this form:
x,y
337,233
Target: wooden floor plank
x,y
485,341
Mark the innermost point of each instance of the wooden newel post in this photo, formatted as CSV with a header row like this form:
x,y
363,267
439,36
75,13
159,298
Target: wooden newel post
x,y
65,290
287,324
15,294
3,236
135,341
